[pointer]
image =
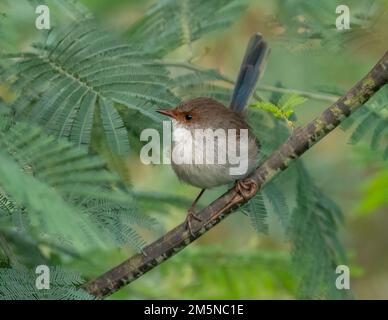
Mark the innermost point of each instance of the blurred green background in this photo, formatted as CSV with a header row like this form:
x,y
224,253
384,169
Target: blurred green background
x,y
232,261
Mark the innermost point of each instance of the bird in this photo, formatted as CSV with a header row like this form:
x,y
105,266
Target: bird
x,y
206,113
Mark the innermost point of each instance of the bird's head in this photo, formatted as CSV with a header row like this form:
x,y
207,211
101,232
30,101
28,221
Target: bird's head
x,y
198,113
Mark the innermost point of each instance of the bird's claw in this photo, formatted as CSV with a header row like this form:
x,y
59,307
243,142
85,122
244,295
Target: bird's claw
x,y
191,215
246,188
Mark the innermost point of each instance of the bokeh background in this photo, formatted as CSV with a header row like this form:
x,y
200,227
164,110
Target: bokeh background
x,y
233,261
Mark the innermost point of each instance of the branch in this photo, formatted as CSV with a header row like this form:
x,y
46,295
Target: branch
x,y
259,87
306,94
299,142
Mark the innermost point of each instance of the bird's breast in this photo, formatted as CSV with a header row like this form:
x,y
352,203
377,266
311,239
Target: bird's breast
x,y
203,157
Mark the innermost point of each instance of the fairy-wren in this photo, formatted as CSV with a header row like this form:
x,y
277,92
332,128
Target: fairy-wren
x,y
207,166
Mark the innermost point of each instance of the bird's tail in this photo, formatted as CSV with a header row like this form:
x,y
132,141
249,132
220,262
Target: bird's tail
x,y
251,68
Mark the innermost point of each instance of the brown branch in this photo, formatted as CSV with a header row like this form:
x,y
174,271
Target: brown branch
x,y
299,142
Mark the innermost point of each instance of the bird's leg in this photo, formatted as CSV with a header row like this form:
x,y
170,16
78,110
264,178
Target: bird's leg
x,y
191,212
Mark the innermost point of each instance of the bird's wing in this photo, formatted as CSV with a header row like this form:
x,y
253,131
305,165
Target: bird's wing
x,y
250,70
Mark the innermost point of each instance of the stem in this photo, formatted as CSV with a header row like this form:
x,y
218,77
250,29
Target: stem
x,y
301,140
307,94
259,87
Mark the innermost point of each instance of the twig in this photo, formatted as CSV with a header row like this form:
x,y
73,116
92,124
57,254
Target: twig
x,y
307,94
259,87
299,142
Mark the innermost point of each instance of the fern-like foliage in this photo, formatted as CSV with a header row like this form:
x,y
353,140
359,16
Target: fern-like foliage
x,y
19,283
276,201
271,132
316,248
371,123
65,85
7,35
270,199
170,24
310,25
310,219
285,110
62,191
73,81
72,8
257,212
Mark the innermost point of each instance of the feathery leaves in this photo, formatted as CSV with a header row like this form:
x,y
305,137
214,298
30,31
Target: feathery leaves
x,y
316,248
68,79
371,122
257,212
285,108
20,284
170,24
311,25
59,187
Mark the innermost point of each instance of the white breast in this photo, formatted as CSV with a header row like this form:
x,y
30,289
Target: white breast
x,y
191,166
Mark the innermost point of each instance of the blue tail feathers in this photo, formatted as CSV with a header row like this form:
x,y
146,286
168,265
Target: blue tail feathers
x,y
251,67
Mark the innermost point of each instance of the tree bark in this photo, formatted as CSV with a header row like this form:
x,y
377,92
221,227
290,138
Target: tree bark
x,y
299,142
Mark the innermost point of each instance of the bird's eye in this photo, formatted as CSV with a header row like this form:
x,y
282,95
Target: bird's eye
x,y
188,117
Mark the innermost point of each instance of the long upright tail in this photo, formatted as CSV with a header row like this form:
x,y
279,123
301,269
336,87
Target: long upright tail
x,y
250,70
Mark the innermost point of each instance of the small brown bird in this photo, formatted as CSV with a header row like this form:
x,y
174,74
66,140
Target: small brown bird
x,y
206,168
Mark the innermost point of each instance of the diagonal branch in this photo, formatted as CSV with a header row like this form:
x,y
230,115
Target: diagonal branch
x,y
299,142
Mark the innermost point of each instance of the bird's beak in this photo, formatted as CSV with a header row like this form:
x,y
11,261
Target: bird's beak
x,y
166,112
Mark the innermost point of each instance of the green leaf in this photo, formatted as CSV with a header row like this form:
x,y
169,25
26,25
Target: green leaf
x,y
19,284
170,24
257,212
310,25
67,77
47,208
285,108
116,133
316,248
371,122
58,186
289,102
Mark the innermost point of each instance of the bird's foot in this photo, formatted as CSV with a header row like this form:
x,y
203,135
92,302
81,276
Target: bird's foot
x,y
191,215
246,188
